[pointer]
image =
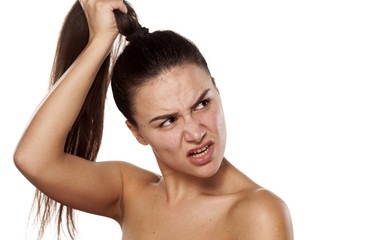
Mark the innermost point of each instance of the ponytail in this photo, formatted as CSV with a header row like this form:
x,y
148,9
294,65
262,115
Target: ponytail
x,y
146,56
84,138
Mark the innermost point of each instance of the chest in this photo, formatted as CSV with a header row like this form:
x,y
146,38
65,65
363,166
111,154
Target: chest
x,y
202,219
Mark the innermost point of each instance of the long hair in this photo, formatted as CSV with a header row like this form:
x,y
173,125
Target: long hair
x,y
84,138
146,56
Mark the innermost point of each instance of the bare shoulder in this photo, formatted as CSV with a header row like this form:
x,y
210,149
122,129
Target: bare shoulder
x,y
260,214
136,178
133,170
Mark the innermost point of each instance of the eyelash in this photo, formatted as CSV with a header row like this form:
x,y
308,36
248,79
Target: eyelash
x,y
205,103
170,120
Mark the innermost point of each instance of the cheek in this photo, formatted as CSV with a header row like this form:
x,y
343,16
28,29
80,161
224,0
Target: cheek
x,y
166,142
221,122
215,121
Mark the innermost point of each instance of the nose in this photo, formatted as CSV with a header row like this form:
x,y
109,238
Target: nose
x,y
193,131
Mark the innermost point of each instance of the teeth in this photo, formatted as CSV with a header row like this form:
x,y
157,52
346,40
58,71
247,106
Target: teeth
x,y
200,152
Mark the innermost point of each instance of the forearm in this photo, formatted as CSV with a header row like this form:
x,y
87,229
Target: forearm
x,y
44,138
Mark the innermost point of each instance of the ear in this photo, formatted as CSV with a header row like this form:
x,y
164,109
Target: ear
x,y
214,84
136,133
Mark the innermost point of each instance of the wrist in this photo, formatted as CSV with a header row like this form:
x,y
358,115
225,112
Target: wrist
x,y
101,43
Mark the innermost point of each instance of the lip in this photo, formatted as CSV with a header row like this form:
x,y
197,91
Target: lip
x,y
199,161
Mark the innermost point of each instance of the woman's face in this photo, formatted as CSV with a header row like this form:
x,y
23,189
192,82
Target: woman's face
x,y
179,114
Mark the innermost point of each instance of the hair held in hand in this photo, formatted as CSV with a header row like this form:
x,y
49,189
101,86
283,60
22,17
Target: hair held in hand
x,y
145,56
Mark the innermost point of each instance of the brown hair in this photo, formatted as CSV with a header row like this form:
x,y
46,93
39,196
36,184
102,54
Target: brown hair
x,y
146,56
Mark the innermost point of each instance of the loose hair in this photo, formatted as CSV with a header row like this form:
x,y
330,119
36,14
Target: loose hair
x,y
143,58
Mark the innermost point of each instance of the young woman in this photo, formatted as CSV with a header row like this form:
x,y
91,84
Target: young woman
x,y
162,85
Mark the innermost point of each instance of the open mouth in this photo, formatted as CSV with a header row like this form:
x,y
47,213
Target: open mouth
x,y
200,152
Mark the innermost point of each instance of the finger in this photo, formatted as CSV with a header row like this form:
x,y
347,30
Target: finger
x,y
119,5
123,8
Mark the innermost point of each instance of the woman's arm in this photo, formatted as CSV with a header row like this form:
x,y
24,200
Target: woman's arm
x,y
70,180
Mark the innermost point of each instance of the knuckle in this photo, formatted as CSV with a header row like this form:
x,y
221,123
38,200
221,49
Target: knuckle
x,y
101,3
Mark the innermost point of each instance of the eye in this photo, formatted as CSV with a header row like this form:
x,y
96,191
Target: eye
x,y
203,104
168,122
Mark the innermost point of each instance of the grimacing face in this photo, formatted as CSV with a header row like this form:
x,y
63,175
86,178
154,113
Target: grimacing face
x,y
179,114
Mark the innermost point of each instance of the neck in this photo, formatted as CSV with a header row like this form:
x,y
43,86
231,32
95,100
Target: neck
x,y
180,186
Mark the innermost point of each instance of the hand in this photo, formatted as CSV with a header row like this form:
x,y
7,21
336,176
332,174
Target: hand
x,y
101,18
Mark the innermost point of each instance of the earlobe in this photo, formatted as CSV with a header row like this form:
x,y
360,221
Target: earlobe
x,y
136,133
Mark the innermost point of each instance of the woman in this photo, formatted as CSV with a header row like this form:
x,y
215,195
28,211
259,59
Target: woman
x,y
162,85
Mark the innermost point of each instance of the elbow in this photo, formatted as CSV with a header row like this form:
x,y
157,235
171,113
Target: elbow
x,y
19,159
25,163
31,165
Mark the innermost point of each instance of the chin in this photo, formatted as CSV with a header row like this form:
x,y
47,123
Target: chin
x,y
208,170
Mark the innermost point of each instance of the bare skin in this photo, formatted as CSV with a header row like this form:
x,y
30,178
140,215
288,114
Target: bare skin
x,y
234,209
190,201
193,199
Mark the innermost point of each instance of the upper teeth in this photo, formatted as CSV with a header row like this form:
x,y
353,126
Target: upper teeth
x,y
201,149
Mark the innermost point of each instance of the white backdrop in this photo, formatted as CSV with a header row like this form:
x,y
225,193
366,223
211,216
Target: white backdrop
x,y
293,76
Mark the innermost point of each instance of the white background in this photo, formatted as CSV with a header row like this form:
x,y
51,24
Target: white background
x,y
293,78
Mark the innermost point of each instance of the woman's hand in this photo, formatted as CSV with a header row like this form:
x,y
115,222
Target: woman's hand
x,y
101,18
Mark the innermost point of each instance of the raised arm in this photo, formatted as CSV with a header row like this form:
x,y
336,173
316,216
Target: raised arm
x,y
68,179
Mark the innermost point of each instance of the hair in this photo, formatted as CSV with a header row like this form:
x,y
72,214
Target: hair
x,y
143,58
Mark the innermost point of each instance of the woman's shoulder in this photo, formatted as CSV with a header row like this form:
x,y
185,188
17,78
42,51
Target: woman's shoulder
x,y
262,214
131,171
136,178
258,213
262,201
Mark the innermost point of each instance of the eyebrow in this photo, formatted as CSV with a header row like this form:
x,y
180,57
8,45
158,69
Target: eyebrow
x,y
166,116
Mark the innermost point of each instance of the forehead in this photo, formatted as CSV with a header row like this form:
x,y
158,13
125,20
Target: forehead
x,y
172,91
